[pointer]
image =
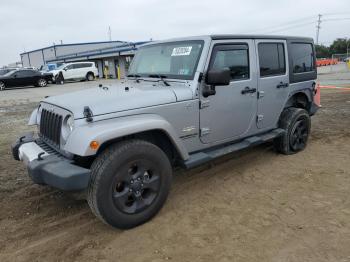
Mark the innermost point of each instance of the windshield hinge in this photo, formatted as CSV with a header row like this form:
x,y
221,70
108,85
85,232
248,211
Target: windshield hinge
x,y
88,114
200,77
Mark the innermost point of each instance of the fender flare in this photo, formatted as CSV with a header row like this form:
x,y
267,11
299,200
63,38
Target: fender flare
x,y
78,142
33,117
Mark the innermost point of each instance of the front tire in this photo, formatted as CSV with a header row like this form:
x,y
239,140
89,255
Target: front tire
x,y
42,82
129,184
297,124
2,86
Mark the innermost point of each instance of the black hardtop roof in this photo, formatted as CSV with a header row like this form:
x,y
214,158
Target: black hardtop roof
x,y
243,36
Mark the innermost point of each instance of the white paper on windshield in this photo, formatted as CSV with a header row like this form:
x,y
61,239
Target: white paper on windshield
x,y
179,51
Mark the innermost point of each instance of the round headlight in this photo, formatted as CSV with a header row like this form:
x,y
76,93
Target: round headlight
x,y
67,127
70,123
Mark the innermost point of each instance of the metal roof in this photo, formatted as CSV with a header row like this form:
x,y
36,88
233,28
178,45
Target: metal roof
x,y
73,44
127,46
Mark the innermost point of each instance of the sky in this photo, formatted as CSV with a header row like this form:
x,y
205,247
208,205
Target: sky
x,y
33,24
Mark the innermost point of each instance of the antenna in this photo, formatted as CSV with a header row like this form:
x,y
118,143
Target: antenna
x,y
109,33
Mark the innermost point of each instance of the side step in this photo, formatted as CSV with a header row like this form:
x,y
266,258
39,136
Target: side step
x,y
197,159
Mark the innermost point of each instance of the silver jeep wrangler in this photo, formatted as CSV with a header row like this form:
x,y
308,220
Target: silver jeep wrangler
x,y
185,102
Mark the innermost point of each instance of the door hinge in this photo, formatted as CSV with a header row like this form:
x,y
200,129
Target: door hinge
x,y
204,103
261,94
205,131
259,118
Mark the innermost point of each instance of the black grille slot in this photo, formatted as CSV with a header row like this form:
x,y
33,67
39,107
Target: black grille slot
x,y
50,126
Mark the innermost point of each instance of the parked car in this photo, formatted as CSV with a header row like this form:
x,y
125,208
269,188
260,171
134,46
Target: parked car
x,y
49,67
76,71
185,102
24,77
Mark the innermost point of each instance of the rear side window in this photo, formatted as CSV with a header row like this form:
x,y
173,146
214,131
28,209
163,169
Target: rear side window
x,y
272,60
236,58
25,73
77,66
302,57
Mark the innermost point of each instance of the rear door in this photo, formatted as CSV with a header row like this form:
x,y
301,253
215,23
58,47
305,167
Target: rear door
x,y
230,113
273,82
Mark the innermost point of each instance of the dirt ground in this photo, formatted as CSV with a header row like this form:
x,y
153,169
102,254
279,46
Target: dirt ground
x,y
255,205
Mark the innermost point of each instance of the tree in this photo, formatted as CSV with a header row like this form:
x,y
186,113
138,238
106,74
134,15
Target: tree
x,y
322,51
339,46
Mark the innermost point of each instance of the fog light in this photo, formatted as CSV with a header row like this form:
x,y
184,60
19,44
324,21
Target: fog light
x,y
94,145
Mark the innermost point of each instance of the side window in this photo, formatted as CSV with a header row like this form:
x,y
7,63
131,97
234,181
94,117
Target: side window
x,y
272,60
25,73
20,73
87,65
77,66
302,57
236,58
70,67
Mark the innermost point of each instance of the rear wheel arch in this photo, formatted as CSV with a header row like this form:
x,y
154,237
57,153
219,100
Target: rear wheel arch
x,y
90,73
299,100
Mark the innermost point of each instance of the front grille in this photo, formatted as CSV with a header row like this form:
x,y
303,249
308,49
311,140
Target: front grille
x,y
50,126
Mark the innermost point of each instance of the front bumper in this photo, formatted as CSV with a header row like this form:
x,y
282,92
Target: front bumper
x,y
49,169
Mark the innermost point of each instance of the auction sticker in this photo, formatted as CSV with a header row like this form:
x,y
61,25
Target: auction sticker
x,y
179,51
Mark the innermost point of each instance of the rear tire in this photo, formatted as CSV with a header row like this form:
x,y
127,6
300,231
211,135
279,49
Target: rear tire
x,y
90,77
296,122
129,184
2,86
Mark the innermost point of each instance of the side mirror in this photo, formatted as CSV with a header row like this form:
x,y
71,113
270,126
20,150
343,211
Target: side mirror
x,y
218,77
65,69
15,75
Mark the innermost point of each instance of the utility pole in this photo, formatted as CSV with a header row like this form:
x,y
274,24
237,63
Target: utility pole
x,y
318,27
109,33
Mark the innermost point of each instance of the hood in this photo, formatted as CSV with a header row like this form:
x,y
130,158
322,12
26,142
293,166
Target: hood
x,y
121,97
54,72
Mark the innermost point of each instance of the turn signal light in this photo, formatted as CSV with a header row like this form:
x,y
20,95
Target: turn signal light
x,y
94,145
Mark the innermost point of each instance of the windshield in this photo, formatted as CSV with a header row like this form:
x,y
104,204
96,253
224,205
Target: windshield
x,y
61,67
171,60
9,73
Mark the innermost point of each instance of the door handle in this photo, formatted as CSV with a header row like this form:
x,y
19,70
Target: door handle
x,y
282,85
247,90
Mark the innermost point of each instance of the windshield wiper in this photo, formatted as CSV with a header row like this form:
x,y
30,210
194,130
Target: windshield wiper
x,y
161,78
136,77
133,75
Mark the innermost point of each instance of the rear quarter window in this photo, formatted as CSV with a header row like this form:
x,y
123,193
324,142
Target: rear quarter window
x,y
302,57
302,61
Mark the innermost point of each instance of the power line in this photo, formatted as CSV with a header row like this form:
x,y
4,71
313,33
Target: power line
x,y
284,24
288,28
337,19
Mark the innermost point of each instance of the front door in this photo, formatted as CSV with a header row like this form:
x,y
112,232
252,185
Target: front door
x,y
68,72
273,84
231,111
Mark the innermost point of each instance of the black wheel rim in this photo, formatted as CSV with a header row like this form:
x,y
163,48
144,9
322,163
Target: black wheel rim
x,y
299,135
136,186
